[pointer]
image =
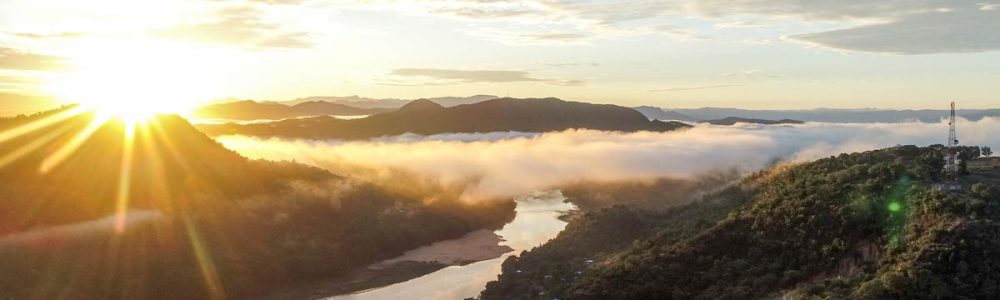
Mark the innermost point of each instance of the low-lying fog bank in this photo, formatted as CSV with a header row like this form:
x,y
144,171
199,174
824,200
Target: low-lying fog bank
x,y
53,238
506,164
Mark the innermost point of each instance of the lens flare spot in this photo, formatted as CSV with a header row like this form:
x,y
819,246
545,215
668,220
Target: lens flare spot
x,y
895,207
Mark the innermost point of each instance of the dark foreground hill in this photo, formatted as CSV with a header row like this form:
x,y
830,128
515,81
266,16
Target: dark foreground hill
x,y
426,117
252,110
856,226
187,218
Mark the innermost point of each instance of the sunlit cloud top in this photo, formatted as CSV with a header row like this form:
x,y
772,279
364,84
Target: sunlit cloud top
x,y
683,53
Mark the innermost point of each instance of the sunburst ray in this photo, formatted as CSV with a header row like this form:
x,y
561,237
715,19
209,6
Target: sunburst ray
x,y
70,147
124,178
16,132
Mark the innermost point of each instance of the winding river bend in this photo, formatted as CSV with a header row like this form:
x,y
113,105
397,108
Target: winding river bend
x,y
537,222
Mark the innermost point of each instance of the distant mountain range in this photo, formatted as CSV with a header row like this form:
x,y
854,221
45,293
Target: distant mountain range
x,y
656,113
356,105
733,120
815,115
252,110
427,117
392,103
236,109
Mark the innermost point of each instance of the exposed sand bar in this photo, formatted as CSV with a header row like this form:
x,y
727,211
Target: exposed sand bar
x,y
476,246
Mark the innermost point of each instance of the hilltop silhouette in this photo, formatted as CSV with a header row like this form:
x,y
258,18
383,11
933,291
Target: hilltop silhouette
x,y
427,117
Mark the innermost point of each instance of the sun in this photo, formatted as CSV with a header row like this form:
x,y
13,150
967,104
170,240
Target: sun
x,y
133,80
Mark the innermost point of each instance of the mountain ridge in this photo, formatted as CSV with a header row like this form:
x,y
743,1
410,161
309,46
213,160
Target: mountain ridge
x,y
391,103
830,115
253,110
426,117
729,121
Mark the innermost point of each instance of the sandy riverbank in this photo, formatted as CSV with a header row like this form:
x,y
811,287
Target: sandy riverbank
x,y
476,246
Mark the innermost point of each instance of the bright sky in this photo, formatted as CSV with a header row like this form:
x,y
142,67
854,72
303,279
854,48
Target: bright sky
x,y
672,53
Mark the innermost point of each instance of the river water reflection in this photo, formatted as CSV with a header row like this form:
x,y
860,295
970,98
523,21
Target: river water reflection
x,y
537,222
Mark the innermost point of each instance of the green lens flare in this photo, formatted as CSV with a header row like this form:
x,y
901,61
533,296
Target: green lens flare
x,y
894,206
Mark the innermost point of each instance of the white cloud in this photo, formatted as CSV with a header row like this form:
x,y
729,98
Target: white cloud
x,y
516,22
102,227
893,26
241,26
744,24
890,26
758,42
689,88
430,76
533,38
744,73
15,59
819,10
677,33
959,31
510,164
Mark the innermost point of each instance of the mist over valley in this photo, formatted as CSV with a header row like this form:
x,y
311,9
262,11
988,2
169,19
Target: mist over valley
x,y
499,150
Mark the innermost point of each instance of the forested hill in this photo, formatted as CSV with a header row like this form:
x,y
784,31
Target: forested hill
x,y
426,117
856,226
187,218
252,110
733,120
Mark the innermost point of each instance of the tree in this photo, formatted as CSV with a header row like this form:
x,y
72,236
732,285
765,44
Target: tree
x,y
987,151
985,190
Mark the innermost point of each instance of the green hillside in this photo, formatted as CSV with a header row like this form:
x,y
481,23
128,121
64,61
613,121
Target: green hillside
x,y
865,225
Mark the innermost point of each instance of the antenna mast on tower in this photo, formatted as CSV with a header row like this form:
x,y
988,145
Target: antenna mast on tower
x,y
951,159
952,137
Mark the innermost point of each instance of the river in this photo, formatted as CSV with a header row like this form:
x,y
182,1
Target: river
x,y
537,222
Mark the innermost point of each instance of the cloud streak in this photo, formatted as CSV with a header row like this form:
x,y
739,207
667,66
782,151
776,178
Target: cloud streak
x,y
961,31
14,59
452,76
51,35
746,74
896,26
240,26
678,33
690,88
491,165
